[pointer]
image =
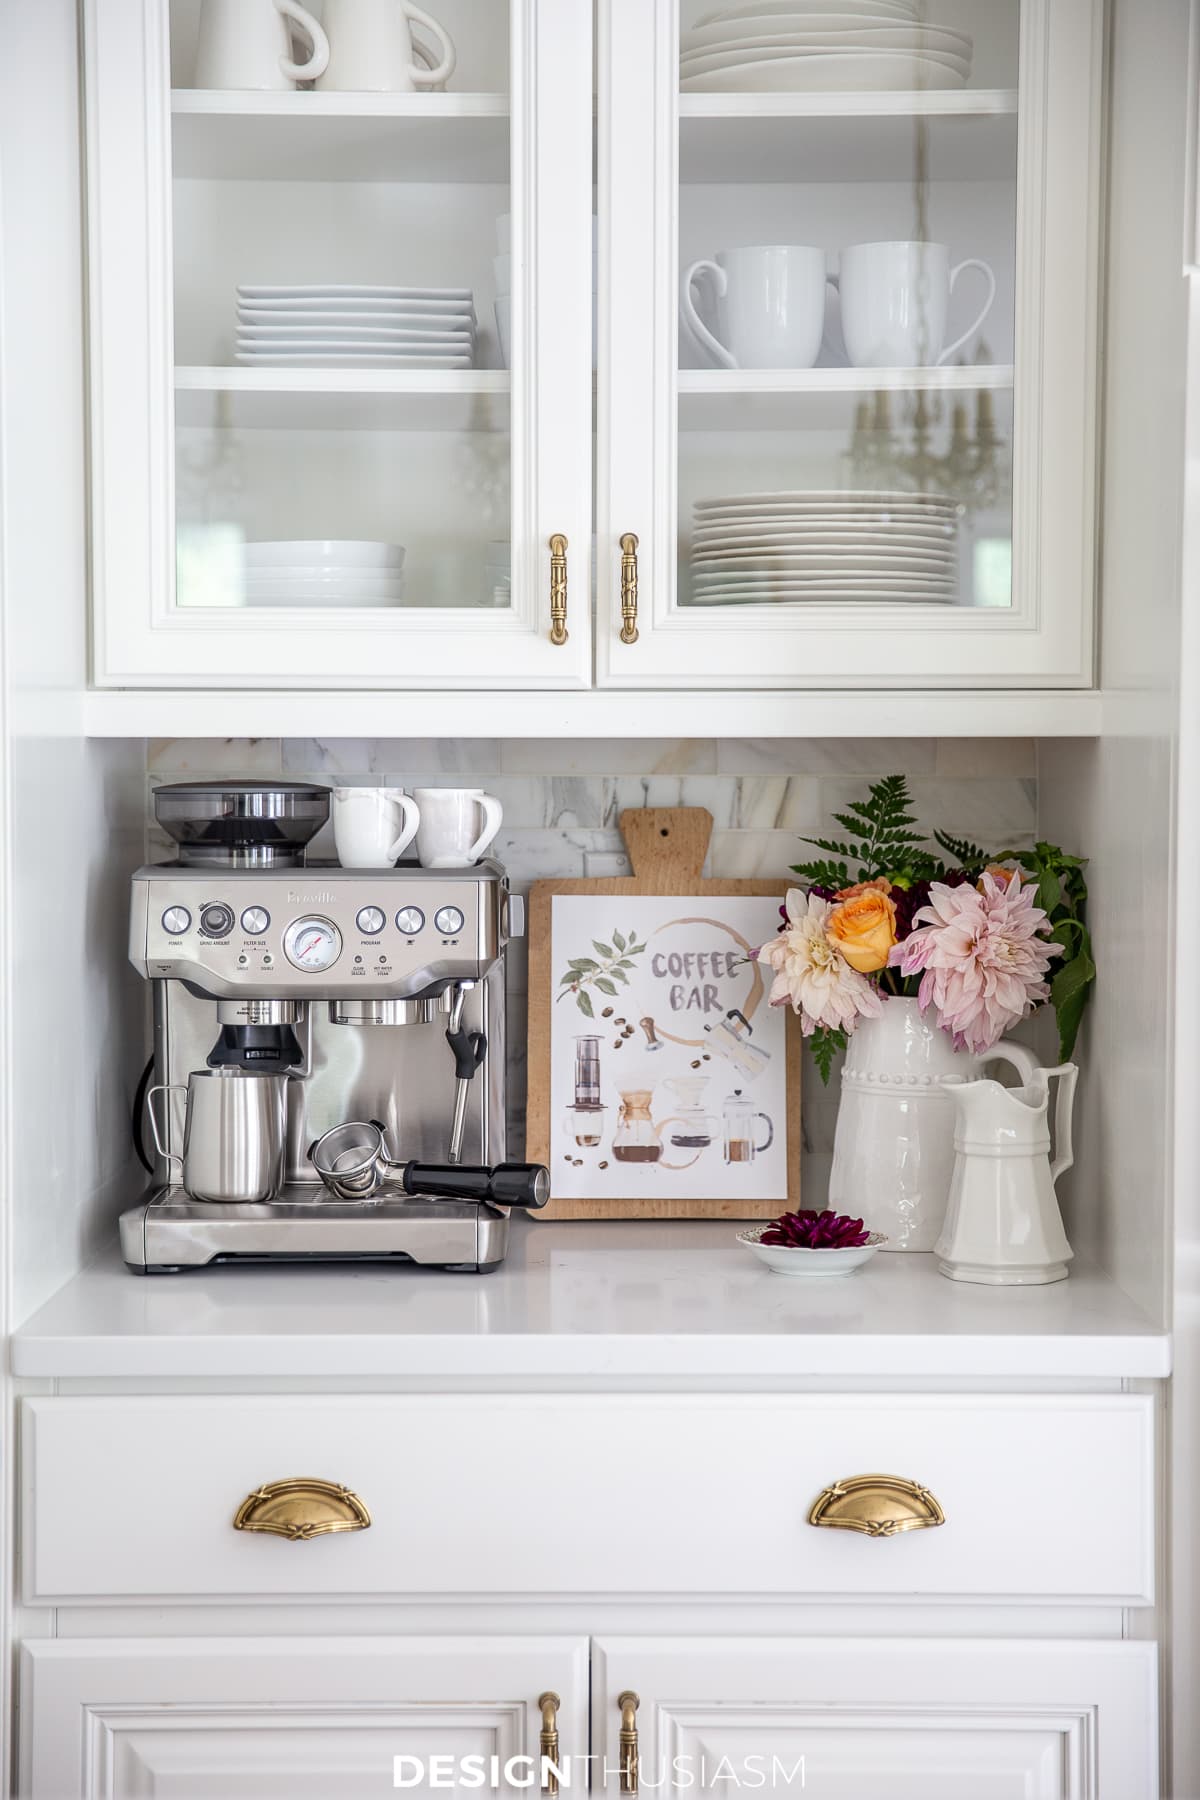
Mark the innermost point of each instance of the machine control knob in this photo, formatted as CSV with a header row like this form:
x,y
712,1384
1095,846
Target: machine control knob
x,y
449,920
176,920
410,920
371,921
255,920
216,920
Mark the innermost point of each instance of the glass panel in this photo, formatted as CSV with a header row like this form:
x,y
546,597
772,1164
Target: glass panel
x,y
342,295
847,255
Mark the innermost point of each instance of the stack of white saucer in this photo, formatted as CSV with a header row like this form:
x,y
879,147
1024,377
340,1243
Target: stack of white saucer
x,y
821,46
336,326
323,572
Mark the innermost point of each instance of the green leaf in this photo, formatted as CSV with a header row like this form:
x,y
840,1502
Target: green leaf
x,y
604,950
568,978
1049,892
584,963
825,1045
585,1004
606,986
618,940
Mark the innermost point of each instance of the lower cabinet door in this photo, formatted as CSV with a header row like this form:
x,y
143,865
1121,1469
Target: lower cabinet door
x,y
878,1719
293,1719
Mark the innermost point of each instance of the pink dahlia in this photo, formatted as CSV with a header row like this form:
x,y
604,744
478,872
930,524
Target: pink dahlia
x,y
811,974
982,955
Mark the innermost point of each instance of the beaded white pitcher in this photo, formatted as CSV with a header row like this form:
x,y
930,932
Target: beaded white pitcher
x,y
893,1151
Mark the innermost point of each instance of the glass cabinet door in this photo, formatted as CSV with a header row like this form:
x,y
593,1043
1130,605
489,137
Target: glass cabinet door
x,y
326,450
847,341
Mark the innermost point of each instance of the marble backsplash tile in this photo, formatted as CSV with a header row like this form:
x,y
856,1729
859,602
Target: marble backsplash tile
x,y
562,802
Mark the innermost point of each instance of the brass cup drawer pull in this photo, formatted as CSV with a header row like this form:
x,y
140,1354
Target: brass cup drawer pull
x,y
301,1508
628,1752
629,588
877,1505
548,1740
558,589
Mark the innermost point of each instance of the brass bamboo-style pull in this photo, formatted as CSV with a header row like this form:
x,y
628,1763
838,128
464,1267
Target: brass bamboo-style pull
x,y
628,1754
548,1741
301,1508
877,1505
629,588
558,589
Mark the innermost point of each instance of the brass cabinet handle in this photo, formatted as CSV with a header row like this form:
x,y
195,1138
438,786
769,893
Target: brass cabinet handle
x,y
548,1740
629,594
628,1757
301,1508
558,589
878,1505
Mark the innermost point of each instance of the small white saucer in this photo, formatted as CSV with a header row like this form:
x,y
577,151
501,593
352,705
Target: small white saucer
x,y
794,1259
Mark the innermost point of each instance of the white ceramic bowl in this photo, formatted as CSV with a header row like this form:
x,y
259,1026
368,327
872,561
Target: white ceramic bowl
x,y
791,1259
311,553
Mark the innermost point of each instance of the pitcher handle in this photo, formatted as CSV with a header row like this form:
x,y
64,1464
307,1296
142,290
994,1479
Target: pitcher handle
x,y
1022,1060
1064,1112
163,1087
318,62
410,820
692,319
759,1148
431,78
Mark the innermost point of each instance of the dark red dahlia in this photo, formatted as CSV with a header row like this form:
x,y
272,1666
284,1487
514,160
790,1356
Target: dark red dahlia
x,y
816,1231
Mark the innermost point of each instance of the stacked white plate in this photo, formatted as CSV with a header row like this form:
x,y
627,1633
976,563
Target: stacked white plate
x,y
821,46
336,326
323,572
825,546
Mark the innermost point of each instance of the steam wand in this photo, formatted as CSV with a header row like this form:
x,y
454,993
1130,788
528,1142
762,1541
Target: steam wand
x,y
470,1048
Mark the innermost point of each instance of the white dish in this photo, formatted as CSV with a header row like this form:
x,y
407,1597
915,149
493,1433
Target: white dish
x,y
784,562
826,30
824,537
286,552
252,337
881,72
821,597
270,359
879,498
318,575
704,582
301,598
386,318
746,50
767,9
794,1259
337,291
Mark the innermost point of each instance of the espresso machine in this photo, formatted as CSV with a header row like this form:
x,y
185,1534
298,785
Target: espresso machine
x,y
329,1053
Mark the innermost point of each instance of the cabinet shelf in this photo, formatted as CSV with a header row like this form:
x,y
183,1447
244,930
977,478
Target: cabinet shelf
x,y
813,399
831,138
343,399
219,136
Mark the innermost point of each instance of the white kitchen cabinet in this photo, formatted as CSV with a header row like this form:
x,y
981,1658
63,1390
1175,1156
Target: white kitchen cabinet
x,y
1005,168
885,1719
281,1719
192,192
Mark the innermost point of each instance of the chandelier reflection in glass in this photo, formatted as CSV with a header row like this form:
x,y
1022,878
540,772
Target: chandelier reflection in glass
x,y
884,453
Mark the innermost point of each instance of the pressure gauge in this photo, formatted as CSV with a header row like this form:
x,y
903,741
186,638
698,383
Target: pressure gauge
x,y
312,944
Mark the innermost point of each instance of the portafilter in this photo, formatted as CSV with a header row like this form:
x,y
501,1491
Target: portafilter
x,y
354,1163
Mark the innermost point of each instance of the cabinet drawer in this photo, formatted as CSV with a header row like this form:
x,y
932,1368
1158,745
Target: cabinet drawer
x,y
1045,1497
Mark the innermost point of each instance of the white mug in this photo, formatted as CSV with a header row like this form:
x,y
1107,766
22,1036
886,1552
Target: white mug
x,y
895,303
371,49
450,836
248,44
372,826
770,306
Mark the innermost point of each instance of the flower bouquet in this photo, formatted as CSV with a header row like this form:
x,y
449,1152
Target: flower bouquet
x,y
979,940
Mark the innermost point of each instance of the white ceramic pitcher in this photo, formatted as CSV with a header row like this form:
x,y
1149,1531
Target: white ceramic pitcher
x,y
893,1152
1003,1227
371,49
248,44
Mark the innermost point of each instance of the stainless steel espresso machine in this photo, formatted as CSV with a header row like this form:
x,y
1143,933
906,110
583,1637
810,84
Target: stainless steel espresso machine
x,y
313,1026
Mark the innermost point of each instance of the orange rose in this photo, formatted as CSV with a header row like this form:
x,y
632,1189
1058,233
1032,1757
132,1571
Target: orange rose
x,y
1001,874
862,926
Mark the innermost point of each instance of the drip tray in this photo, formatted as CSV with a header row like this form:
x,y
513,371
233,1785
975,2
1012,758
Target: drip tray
x,y
167,1232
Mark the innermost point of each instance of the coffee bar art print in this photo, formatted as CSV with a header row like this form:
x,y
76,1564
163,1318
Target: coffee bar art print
x,y
666,1087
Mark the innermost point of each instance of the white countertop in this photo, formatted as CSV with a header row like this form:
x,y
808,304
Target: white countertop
x,y
587,1301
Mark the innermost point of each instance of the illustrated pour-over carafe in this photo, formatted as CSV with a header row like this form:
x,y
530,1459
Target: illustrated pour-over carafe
x,y
695,1128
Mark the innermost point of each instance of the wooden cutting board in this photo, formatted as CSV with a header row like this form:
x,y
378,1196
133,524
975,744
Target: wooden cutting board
x,y
667,847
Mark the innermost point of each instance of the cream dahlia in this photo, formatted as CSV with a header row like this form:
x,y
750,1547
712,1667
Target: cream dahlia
x,y
982,956
811,975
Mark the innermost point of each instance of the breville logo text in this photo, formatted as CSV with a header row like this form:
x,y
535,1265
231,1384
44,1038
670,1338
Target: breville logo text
x,y
324,898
